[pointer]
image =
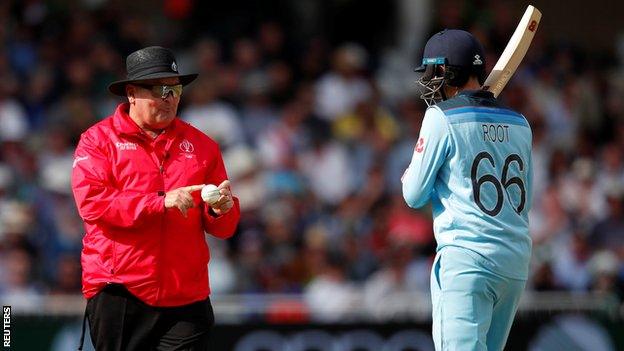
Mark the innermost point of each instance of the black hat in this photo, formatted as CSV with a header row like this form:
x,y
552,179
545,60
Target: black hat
x,y
152,62
453,47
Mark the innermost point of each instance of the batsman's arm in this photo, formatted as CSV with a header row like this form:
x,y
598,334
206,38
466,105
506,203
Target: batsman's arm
x,y
430,153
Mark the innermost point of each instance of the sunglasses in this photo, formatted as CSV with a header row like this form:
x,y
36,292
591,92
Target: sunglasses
x,y
162,91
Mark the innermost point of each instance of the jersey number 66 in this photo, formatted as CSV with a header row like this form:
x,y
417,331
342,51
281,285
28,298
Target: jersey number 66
x,y
498,184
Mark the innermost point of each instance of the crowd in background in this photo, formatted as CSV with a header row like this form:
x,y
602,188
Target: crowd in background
x,y
315,141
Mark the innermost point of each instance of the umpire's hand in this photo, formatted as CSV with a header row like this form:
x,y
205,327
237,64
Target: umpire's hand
x,y
181,198
225,202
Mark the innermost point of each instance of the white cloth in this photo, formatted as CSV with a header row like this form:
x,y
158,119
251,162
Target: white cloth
x,y
336,95
13,121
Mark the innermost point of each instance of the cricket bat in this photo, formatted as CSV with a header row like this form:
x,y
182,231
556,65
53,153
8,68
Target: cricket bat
x,y
514,51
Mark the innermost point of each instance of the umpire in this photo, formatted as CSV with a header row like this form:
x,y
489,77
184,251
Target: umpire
x,y
136,180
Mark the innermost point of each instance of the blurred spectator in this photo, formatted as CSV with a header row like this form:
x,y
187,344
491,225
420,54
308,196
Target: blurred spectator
x,y
220,270
330,295
272,41
339,90
283,139
243,168
385,288
17,288
604,267
367,121
258,113
280,77
543,278
607,234
68,275
327,170
549,101
40,84
13,117
16,222
548,220
571,263
611,172
207,57
581,194
217,119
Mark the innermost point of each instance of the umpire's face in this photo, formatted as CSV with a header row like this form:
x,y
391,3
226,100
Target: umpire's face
x,y
152,110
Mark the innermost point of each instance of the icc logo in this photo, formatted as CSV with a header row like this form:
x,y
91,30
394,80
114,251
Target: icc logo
x,y
186,146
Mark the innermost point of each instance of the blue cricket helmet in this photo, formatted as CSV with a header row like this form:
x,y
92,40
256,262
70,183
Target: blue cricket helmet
x,y
453,47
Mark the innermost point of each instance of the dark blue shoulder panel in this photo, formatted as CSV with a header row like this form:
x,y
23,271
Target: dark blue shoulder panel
x,y
476,99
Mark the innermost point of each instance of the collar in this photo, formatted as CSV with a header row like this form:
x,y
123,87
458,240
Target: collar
x,y
125,125
484,94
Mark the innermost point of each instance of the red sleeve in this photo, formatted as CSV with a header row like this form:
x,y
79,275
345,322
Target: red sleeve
x,y
98,201
220,226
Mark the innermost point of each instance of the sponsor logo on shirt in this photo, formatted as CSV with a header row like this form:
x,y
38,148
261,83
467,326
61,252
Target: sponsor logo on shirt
x,y
126,146
420,145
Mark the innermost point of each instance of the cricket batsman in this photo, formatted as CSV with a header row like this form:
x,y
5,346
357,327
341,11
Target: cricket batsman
x,y
473,161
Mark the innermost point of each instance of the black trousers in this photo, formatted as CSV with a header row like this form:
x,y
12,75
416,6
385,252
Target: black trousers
x,y
120,321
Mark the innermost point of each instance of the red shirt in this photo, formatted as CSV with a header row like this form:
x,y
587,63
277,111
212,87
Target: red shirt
x,y
119,179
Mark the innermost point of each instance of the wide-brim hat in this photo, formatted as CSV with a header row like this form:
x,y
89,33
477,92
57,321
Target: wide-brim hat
x,y
153,62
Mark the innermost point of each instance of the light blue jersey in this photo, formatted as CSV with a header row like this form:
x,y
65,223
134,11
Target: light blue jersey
x,y
473,161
